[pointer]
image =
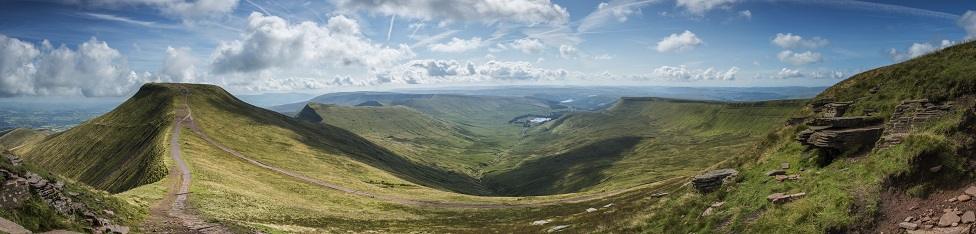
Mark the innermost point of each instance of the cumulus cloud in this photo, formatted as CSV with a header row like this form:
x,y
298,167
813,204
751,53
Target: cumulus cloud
x,y
568,51
490,12
968,22
918,49
608,12
457,45
788,56
682,73
452,71
786,73
679,42
789,73
176,8
93,69
179,65
790,41
272,42
700,7
527,45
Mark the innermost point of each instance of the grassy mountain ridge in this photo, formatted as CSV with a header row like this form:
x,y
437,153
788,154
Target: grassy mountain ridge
x,y
401,129
612,149
847,195
21,136
116,151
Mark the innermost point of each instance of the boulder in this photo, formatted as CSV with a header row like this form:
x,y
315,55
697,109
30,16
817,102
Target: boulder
x,y
907,225
971,191
557,228
963,198
968,217
712,180
541,222
7,226
948,219
591,209
775,173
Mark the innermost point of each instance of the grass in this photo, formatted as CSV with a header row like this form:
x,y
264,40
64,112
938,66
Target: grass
x,y
117,151
36,215
21,136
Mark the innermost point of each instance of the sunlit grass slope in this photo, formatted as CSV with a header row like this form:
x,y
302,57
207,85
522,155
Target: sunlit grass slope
x,y
116,151
325,151
639,140
405,131
844,196
21,136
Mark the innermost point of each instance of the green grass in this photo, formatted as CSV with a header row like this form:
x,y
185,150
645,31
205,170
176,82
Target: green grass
x,y
843,196
36,215
21,136
407,132
637,141
117,151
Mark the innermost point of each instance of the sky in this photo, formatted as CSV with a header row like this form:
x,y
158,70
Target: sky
x,y
98,48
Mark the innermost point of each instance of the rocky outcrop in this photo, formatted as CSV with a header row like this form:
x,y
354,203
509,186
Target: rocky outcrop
x,y
908,115
839,133
835,109
18,187
712,180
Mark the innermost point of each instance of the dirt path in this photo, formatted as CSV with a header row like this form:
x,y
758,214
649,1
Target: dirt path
x,y
171,215
188,121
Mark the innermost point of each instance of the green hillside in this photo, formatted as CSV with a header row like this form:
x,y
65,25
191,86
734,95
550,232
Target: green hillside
x,y
405,131
21,136
637,141
116,151
853,194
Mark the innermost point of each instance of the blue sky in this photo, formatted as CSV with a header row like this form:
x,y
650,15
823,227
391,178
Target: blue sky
x,y
109,47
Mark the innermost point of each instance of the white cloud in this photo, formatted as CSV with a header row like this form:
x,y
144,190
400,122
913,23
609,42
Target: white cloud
x,y
490,12
615,10
968,22
745,14
788,56
527,45
93,69
790,41
457,45
603,57
271,42
452,71
179,65
786,73
568,51
918,49
178,8
679,42
681,73
700,7
828,75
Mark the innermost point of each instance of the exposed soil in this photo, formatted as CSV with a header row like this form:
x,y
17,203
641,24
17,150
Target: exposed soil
x,y
171,215
896,206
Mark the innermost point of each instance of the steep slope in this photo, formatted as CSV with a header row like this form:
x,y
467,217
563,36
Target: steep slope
x,y
614,149
17,137
403,130
869,191
300,145
116,151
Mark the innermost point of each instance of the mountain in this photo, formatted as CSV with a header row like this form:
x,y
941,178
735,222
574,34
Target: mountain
x,y
102,153
401,129
923,157
13,138
612,149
